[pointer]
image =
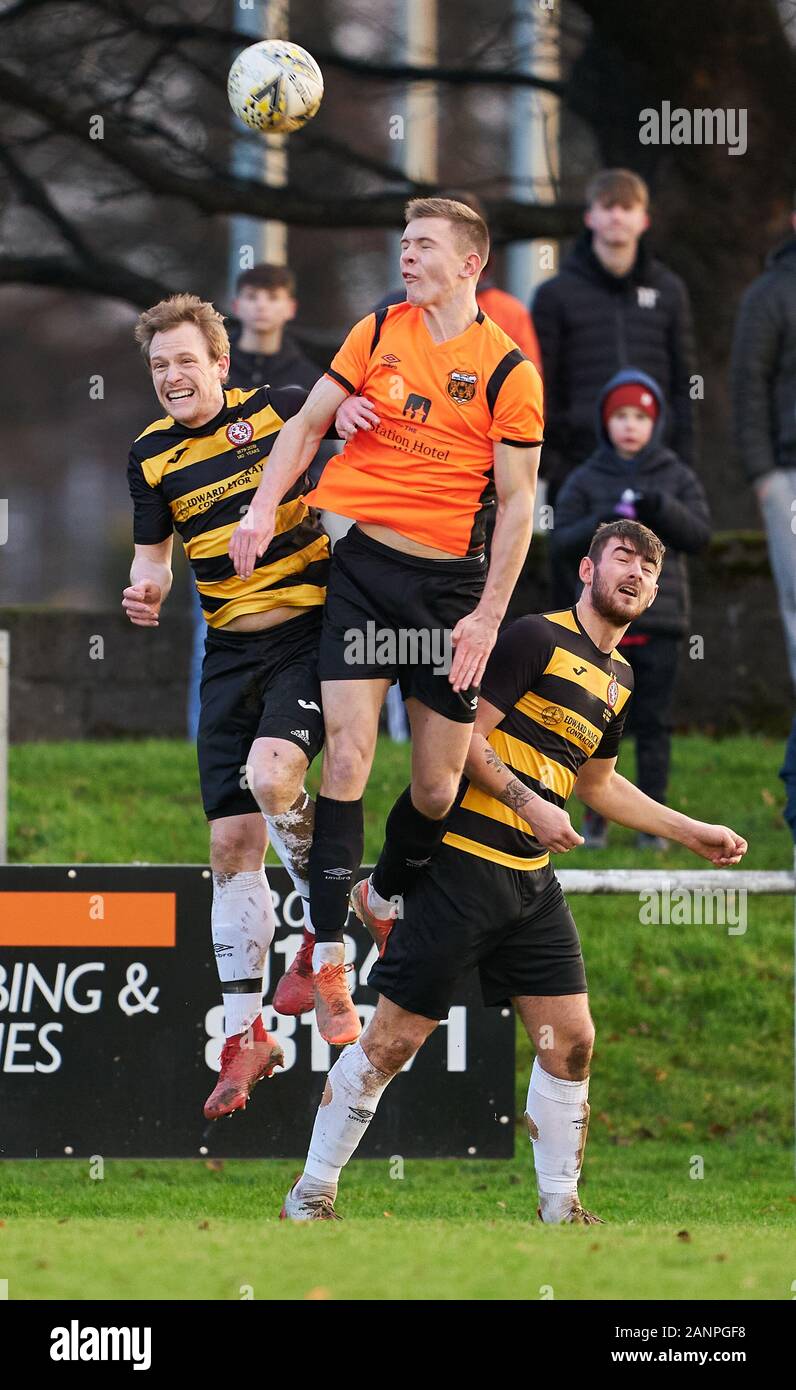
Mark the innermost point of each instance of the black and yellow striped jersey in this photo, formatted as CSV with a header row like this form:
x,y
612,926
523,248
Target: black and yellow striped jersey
x,y
198,481
563,701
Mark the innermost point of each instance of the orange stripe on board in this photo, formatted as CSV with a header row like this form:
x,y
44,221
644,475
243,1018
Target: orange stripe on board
x,y
88,919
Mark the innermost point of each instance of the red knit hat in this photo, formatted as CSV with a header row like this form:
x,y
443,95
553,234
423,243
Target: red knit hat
x,y
630,393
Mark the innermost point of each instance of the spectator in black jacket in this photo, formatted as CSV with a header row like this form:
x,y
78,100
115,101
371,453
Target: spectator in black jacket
x,y
611,306
633,474
764,406
261,351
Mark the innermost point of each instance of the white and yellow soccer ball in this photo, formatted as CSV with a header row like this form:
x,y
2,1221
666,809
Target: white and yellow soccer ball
x,y
275,86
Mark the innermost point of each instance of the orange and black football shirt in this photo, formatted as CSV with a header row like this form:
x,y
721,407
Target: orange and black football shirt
x,y
198,482
563,701
427,469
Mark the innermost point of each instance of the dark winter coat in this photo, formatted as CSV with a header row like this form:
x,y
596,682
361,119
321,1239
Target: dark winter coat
x,y
591,324
672,503
764,368
288,367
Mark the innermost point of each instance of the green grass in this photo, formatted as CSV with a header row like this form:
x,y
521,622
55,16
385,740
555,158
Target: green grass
x,y
115,803
693,1059
445,1231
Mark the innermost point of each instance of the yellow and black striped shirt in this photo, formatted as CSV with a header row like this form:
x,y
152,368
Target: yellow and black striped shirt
x,y
199,482
563,701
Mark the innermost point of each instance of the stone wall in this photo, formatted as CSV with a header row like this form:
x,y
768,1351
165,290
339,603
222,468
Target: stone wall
x,y
81,675
92,675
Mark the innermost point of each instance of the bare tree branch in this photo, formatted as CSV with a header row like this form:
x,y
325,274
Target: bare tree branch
x,y
35,195
185,31
230,194
107,278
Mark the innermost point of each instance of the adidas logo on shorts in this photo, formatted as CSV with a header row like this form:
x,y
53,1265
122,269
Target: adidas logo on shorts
x,y
303,734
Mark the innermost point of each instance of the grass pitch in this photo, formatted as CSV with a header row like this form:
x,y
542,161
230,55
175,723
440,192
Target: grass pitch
x,y
692,1074
446,1230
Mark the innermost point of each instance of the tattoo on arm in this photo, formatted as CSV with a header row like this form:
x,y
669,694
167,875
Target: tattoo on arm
x,y
515,794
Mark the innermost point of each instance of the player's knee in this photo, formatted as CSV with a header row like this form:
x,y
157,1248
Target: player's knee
x,y
346,764
434,798
275,783
577,1053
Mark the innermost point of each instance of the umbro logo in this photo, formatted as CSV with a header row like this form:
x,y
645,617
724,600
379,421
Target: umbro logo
x,y
337,873
303,734
309,704
474,702
220,949
390,360
579,670
363,1117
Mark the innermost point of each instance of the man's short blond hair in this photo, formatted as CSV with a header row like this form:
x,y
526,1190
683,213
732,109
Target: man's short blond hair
x,y
470,228
183,308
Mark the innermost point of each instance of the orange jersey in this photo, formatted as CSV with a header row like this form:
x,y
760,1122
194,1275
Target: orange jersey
x,y
426,470
510,314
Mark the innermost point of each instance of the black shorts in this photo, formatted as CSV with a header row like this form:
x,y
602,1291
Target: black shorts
x,y
513,924
390,614
255,685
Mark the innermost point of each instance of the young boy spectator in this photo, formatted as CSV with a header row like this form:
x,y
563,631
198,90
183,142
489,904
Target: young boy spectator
x,y
633,474
262,353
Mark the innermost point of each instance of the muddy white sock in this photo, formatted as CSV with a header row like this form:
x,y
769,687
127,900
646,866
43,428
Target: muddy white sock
x,y
379,906
557,1115
327,953
291,836
243,926
352,1092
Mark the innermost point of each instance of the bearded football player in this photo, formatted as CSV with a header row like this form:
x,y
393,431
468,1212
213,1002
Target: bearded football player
x,y
553,705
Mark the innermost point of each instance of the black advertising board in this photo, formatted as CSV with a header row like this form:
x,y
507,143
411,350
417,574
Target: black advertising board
x,y
111,1028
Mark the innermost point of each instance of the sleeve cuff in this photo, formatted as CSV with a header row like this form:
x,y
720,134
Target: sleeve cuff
x,y
341,381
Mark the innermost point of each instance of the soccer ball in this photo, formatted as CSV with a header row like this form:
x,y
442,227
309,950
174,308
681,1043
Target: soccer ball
x,y
275,86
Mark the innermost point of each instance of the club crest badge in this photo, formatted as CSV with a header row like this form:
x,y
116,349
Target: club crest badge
x,y
461,386
240,432
613,692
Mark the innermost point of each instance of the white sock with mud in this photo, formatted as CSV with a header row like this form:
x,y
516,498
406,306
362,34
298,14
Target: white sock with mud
x,y
557,1115
291,836
352,1092
243,926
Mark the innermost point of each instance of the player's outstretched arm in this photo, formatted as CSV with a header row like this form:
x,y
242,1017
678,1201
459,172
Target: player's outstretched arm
x,y
474,636
612,796
485,770
295,447
150,582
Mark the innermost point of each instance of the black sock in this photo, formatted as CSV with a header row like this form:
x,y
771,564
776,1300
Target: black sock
x,y
409,842
337,843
